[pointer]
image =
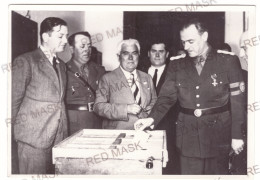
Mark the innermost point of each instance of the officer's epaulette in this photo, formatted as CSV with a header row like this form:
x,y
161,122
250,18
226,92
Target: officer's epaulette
x,y
177,57
225,52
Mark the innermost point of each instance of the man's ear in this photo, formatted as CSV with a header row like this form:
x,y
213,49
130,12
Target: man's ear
x,y
167,54
45,37
205,36
149,54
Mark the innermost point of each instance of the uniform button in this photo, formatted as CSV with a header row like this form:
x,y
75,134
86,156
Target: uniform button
x,y
198,105
89,95
88,88
197,96
197,87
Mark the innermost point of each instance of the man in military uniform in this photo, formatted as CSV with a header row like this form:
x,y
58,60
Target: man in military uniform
x,y
210,88
83,77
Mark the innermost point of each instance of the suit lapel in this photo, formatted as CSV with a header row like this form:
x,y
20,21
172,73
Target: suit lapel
x,y
143,90
122,79
47,68
161,81
62,77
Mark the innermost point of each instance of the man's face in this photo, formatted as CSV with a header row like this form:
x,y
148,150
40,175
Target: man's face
x,y
129,57
158,54
58,39
193,42
82,49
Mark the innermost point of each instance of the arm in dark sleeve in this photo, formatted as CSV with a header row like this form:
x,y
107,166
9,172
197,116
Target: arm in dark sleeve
x,y
21,76
167,96
237,97
102,106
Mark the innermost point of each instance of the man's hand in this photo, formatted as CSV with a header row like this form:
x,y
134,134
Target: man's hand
x,y
141,124
237,145
133,109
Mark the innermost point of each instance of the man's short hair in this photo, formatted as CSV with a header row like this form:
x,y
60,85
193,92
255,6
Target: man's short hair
x,y
49,23
225,46
128,42
200,26
159,42
71,39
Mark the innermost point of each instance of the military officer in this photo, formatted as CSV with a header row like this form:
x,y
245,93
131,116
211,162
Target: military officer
x,y
83,77
210,88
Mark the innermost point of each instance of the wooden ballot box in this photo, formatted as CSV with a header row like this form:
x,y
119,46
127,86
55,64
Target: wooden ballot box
x,y
111,152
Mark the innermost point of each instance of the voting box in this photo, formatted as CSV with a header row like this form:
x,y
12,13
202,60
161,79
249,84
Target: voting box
x,y
111,152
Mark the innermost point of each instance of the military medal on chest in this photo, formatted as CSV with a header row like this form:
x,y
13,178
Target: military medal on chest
x,y
213,77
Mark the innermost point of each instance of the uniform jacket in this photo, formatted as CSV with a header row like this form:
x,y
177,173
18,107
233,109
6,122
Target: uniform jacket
x,y
77,92
38,109
203,136
114,94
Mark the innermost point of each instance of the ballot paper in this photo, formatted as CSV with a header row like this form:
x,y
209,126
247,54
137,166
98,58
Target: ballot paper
x,y
142,137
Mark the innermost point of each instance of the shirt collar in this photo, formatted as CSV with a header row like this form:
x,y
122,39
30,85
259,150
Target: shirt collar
x,y
161,68
206,52
128,74
48,54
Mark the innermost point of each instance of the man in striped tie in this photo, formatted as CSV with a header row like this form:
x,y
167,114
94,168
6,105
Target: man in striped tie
x,y
125,94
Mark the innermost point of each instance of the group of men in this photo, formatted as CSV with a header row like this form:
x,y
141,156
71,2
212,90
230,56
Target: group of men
x,y
208,85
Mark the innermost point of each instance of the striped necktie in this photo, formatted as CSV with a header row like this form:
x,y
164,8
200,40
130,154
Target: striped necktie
x,y
135,90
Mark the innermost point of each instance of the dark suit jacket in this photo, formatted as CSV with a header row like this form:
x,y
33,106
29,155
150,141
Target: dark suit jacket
x,y
203,136
38,109
114,94
162,78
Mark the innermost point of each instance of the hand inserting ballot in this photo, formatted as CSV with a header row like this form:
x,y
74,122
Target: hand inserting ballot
x,y
142,124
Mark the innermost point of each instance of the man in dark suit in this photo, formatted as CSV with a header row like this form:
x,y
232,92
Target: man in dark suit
x,y
204,82
158,55
38,99
125,94
83,77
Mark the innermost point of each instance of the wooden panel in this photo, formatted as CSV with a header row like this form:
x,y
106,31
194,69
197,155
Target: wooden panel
x,y
101,151
24,35
108,167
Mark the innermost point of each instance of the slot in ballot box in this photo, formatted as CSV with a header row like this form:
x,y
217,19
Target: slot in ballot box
x,y
111,152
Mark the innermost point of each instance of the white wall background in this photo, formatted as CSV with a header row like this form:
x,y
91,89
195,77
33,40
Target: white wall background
x,y
106,29
74,19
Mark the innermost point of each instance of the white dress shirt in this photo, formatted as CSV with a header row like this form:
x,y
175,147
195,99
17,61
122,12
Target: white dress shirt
x,y
128,76
49,55
151,71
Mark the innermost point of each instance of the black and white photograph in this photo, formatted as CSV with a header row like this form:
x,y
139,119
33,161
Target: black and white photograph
x,y
139,90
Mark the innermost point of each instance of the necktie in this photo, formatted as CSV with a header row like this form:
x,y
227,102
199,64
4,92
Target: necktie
x,y
54,64
134,89
155,77
84,71
198,63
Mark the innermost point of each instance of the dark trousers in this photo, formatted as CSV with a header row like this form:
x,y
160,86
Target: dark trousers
x,y
34,161
209,166
83,120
